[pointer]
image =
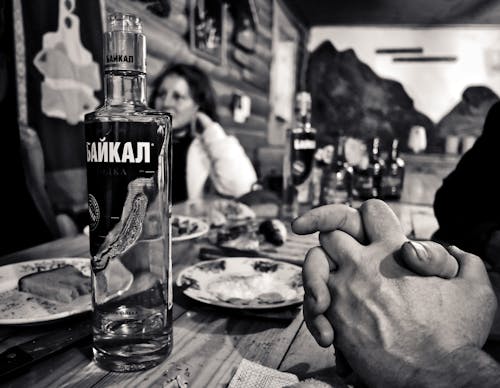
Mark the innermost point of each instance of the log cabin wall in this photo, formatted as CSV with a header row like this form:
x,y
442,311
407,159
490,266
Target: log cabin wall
x,y
167,40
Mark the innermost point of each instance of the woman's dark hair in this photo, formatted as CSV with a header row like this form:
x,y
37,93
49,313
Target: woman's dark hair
x,y
200,87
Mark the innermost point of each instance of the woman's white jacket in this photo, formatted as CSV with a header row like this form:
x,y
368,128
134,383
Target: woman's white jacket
x,y
220,157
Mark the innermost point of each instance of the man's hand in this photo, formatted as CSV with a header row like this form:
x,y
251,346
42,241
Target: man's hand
x,y
428,258
425,258
389,323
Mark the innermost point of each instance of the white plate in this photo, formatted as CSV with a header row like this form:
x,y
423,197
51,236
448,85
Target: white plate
x,y
243,283
202,228
17,307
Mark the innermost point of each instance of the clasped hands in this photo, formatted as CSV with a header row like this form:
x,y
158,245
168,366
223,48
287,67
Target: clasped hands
x,y
396,309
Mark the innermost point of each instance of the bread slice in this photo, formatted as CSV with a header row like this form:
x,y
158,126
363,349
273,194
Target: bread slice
x,y
63,284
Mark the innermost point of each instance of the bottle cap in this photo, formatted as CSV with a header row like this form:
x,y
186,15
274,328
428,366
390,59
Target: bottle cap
x,y
124,44
124,22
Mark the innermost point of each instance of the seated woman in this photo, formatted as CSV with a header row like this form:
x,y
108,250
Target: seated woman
x,y
201,147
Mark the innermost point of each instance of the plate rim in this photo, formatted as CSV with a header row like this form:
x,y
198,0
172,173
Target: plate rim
x,y
199,233
233,306
52,317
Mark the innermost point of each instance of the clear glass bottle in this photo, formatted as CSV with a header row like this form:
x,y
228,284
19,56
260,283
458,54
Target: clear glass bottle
x,y
367,179
300,147
128,174
336,185
394,173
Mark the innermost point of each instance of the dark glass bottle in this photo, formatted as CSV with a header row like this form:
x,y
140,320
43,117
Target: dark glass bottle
x,y
336,185
394,172
300,147
367,181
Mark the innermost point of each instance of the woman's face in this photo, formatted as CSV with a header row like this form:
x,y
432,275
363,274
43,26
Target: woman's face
x,y
174,96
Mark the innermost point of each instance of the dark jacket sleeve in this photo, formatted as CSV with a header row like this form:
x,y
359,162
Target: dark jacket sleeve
x,y
467,205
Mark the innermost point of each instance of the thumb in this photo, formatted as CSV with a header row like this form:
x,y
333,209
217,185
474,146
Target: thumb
x,y
428,258
471,266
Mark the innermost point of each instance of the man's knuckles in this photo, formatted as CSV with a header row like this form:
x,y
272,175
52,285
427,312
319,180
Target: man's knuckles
x,y
372,206
339,245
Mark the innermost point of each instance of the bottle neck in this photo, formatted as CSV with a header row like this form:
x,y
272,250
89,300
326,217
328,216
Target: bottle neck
x,y
374,155
395,149
124,88
303,121
340,150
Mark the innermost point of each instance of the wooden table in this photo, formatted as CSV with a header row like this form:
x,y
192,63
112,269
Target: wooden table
x,y
209,343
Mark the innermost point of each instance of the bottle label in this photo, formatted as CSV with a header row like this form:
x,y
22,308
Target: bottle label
x,y
303,147
392,185
364,182
392,181
125,181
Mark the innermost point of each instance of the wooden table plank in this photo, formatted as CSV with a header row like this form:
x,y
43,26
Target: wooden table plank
x,y
6,332
295,248
66,247
209,347
24,333
307,359
57,370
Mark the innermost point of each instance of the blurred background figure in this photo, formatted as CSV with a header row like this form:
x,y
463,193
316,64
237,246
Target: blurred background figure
x,y
203,153
466,205
49,79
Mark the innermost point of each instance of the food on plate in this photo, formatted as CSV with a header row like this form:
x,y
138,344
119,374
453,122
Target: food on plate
x,y
240,236
233,210
216,218
63,284
262,287
246,242
220,211
250,235
182,226
224,211
274,231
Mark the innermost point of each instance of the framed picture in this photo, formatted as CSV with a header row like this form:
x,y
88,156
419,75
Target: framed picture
x,y
206,29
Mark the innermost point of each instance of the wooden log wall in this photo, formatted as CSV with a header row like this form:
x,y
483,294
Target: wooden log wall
x,y
241,71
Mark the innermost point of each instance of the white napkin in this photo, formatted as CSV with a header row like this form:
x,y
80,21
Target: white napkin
x,y
253,375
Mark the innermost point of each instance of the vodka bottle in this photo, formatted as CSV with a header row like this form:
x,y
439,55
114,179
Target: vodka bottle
x,y
300,147
128,176
394,173
367,179
336,186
